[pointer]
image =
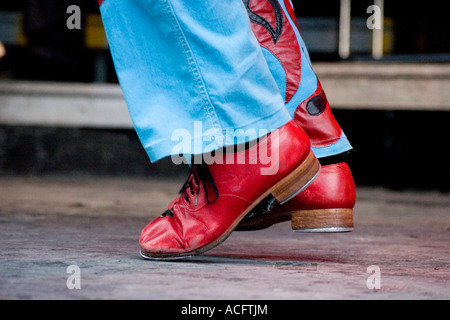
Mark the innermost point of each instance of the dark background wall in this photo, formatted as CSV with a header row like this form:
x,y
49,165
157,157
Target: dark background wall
x,y
394,149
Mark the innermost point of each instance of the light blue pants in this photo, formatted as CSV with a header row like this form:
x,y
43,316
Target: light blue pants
x,y
194,76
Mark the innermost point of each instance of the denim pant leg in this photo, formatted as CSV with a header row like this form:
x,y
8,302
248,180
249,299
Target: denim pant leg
x,y
191,73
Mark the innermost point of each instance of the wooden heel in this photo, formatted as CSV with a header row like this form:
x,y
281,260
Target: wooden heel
x,y
298,180
323,220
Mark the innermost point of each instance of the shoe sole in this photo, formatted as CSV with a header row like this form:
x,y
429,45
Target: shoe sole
x,y
283,191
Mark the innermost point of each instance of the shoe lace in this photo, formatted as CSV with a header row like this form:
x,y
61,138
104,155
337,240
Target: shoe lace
x,y
199,175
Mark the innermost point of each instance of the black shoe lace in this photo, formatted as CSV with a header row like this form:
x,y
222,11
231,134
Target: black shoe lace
x,y
199,175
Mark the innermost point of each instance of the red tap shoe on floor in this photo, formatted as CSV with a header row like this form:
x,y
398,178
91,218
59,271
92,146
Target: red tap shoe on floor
x,y
217,196
325,206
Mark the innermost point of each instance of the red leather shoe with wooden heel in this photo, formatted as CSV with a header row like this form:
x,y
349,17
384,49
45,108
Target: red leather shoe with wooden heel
x,y
217,196
325,206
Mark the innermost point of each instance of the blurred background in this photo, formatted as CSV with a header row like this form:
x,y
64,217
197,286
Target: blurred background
x,y
62,111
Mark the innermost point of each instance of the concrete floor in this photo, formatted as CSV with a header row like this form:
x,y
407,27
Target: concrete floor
x,y
49,224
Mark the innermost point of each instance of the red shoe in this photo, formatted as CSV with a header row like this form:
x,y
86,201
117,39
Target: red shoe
x,y
330,210
216,197
325,206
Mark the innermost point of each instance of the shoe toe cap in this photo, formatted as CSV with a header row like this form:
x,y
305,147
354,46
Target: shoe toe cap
x,y
161,236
